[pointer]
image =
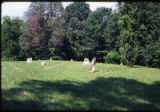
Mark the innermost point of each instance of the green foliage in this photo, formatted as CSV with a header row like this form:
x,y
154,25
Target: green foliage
x,y
112,57
79,42
128,39
147,32
11,31
112,33
97,22
79,10
77,32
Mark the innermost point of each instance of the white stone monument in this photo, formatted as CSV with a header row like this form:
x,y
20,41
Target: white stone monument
x,y
50,59
42,63
29,60
86,61
93,63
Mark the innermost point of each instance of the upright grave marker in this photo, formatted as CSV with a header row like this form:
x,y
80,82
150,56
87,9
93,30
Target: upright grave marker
x,y
29,60
93,63
42,63
85,62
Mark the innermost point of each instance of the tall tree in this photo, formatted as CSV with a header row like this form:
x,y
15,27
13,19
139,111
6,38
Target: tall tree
x,y
147,32
127,25
56,26
33,38
78,10
11,31
52,30
97,22
76,37
112,32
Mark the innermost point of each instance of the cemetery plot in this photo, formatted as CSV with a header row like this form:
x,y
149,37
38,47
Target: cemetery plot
x,y
63,85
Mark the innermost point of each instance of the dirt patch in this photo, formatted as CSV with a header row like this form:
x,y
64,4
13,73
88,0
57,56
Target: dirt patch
x,y
24,93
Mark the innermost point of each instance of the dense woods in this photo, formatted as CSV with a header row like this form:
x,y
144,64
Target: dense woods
x,y
129,35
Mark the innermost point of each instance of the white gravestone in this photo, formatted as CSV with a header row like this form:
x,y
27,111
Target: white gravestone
x,y
50,59
71,60
93,63
85,62
42,63
29,60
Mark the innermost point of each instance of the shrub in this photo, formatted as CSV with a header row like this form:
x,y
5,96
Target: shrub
x,y
112,57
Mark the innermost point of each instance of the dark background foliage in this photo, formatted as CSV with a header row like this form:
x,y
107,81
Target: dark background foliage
x,y
49,30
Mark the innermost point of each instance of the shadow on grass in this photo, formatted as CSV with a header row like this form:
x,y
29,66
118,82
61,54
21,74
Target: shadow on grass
x,y
99,94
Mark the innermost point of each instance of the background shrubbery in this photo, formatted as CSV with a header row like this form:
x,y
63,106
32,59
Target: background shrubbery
x,y
112,57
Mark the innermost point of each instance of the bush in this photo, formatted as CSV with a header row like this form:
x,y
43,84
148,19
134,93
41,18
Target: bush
x,y
112,57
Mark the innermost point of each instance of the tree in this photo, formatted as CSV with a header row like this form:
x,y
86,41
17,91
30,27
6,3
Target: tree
x,y
56,26
78,10
51,35
36,8
75,35
11,31
33,38
147,32
78,43
56,40
127,24
97,22
112,32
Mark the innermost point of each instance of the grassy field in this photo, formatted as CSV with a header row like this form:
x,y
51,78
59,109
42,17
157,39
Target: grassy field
x,y
63,85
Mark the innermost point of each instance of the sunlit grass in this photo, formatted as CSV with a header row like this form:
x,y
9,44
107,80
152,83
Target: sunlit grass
x,y
63,85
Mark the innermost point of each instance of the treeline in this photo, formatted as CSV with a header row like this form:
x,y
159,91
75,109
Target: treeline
x,y
129,35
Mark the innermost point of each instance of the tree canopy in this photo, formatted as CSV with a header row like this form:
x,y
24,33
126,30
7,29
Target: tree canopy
x,y
129,35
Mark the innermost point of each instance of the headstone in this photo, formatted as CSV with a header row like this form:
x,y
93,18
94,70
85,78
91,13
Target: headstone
x,y
86,61
71,60
93,63
42,63
50,59
29,60
121,64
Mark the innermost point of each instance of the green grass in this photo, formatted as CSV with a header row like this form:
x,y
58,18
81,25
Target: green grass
x,y
63,85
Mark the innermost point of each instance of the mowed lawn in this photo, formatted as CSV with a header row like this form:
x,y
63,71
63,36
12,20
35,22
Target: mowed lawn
x,y
63,85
